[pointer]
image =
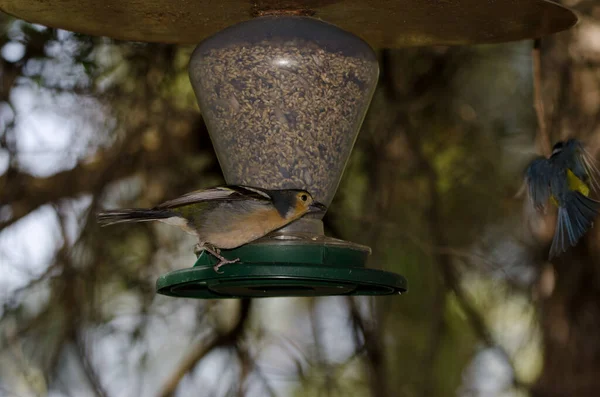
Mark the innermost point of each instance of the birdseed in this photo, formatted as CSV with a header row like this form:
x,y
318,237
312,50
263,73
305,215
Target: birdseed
x,y
283,114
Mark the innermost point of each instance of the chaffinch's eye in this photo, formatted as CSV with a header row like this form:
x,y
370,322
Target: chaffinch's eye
x,y
304,197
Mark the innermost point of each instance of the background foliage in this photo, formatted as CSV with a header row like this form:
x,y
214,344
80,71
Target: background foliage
x,y
432,186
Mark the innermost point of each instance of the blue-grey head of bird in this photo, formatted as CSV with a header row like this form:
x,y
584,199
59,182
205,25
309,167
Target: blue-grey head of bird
x,y
557,148
293,203
568,148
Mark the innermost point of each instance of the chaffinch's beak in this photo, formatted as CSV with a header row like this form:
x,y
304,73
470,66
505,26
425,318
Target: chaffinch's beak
x,y
317,208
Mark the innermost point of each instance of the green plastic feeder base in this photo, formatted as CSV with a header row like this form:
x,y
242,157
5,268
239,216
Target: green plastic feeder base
x,y
283,269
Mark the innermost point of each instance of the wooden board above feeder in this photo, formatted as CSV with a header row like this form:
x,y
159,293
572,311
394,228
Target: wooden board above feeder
x,y
382,23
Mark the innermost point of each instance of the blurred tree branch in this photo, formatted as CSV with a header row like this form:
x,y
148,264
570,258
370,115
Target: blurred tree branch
x,y
447,270
370,333
250,367
569,312
542,133
34,44
201,349
88,368
27,192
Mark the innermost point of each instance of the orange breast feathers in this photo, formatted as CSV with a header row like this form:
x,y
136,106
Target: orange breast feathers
x,y
247,228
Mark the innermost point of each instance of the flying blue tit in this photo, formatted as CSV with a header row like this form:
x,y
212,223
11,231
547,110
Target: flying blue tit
x,y
565,180
224,217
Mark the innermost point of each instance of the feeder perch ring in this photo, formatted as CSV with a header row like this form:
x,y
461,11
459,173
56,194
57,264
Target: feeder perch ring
x,y
289,268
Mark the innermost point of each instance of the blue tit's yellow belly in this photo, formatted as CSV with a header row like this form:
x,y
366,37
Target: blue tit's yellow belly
x,y
575,185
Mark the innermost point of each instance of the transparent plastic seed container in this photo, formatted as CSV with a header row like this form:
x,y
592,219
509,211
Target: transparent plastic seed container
x,y
283,98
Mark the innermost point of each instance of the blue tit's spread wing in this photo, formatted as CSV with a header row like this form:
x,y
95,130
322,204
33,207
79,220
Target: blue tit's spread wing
x,y
580,161
572,158
575,216
538,177
559,241
588,164
221,193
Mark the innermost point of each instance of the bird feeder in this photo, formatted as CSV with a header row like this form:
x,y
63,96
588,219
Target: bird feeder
x,y
283,98
284,94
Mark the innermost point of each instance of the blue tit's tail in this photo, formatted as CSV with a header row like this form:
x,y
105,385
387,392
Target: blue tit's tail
x,y
132,215
575,216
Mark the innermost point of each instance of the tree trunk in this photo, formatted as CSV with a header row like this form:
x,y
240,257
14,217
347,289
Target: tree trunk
x,y
570,312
